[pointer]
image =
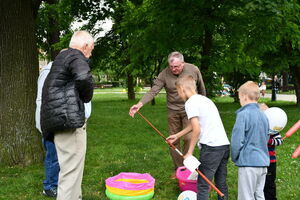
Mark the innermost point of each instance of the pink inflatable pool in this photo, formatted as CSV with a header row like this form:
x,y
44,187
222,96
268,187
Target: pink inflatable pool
x,y
130,184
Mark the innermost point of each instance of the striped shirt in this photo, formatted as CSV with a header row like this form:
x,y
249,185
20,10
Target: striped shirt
x,y
275,140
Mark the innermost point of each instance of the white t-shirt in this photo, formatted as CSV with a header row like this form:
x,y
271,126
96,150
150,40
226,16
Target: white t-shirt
x,y
212,132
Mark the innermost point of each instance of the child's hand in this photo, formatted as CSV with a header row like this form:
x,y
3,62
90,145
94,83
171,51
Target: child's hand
x,y
263,106
187,155
172,138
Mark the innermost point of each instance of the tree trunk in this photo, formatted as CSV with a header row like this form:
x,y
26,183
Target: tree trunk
x,y
130,87
156,71
285,84
236,84
206,59
273,96
20,141
206,49
295,69
296,79
153,102
53,34
53,38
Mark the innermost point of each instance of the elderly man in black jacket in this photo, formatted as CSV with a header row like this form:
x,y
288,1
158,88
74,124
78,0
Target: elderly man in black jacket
x,y
67,87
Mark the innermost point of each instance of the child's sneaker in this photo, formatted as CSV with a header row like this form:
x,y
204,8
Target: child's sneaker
x,y
50,193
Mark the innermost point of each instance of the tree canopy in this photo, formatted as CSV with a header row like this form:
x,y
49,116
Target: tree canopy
x,y
235,40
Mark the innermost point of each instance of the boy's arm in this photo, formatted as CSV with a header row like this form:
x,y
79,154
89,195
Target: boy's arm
x,y
194,137
276,140
187,129
238,137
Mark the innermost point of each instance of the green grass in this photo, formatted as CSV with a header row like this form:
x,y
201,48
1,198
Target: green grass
x,y
115,89
118,143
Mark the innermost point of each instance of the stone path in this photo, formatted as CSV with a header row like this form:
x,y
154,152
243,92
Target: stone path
x,y
283,97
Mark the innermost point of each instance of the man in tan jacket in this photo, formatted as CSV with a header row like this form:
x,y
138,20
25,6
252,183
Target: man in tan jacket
x,y
177,118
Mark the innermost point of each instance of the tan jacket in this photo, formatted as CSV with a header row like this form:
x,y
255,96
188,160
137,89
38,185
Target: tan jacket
x,y
167,80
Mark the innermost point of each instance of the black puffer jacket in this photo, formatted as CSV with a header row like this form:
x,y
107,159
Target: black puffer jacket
x,y
68,85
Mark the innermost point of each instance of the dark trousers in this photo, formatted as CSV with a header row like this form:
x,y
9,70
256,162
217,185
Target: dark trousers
x,y
270,185
213,165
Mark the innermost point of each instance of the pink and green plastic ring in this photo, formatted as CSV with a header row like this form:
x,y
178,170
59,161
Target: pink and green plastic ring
x,y
130,184
112,196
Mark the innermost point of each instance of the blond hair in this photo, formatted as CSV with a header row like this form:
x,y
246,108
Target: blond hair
x,y
81,39
187,82
250,89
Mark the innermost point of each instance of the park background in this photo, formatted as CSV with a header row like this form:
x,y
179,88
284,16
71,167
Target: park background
x,y
230,41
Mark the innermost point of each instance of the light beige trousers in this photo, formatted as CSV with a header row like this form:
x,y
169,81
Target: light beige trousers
x,y
71,148
176,122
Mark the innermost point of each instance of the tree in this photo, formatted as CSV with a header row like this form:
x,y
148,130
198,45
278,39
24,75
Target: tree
x,y
20,141
111,51
55,18
155,28
48,30
277,37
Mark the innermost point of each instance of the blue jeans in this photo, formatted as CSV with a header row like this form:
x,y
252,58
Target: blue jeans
x,y
51,166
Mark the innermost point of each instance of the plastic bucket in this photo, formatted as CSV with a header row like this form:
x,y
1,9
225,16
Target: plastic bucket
x,y
182,173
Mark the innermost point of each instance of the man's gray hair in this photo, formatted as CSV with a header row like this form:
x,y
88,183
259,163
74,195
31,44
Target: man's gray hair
x,y
175,54
80,39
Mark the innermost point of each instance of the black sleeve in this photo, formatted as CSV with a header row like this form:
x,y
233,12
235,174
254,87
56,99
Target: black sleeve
x,y
83,79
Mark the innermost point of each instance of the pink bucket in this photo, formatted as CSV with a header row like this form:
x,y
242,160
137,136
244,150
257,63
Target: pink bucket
x,y
182,174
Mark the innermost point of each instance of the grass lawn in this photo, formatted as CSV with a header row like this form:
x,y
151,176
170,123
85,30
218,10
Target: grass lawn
x,y
115,89
117,143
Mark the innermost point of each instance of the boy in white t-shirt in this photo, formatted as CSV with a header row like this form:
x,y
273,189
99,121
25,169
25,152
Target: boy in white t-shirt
x,y
208,131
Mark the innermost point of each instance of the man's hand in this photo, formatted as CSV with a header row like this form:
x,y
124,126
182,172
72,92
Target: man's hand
x,y
135,108
172,138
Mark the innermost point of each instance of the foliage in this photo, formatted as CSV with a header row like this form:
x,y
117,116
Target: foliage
x,y
236,39
244,35
277,22
59,16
